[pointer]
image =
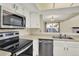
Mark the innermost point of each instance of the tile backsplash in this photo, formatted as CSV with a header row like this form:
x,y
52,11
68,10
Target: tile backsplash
x,y
21,31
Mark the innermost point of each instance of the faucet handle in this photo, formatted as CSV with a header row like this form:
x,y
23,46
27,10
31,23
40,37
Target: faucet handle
x,y
60,36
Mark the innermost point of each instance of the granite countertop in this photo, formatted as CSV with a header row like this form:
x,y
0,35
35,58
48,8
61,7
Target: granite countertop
x,y
34,37
4,53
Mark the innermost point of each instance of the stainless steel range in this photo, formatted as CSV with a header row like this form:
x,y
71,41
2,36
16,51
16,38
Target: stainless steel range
x,y
9,41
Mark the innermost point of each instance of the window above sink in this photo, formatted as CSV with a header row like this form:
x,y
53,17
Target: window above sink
x,y
52,27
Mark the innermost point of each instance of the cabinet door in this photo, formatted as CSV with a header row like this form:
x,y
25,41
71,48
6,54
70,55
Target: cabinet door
x,y
16,8
9,6
59,48
19,9
35,20
27,19
27,15
35,47
73,49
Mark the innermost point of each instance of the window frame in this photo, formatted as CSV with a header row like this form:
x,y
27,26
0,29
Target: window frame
x,y
52,22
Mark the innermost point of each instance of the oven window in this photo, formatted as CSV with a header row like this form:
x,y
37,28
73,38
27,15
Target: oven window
x,y
6,17
16,21
12,19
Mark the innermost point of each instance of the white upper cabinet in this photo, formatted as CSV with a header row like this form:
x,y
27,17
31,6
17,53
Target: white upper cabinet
x,y
8,6
19,9
27,15
34,20
16,8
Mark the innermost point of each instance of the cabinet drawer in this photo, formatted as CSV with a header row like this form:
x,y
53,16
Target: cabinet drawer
x,y
59,43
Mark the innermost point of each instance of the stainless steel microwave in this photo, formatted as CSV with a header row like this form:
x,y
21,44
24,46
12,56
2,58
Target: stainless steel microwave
x,y
11,20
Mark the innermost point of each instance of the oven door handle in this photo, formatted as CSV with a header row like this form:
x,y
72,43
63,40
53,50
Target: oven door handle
x,y
22,50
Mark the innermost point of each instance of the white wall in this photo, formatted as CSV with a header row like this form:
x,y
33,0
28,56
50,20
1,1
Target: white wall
x,y
66,26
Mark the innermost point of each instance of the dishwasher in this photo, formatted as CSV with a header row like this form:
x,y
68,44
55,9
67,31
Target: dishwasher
x,y
45,47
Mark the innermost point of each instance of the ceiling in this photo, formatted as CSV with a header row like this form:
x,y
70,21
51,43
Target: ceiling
x,y
57,11
45,6
59,18
54,11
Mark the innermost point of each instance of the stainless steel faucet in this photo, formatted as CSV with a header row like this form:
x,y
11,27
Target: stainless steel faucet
x,y
60,36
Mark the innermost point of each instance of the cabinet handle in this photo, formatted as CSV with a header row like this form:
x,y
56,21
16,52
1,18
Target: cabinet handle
x,y
64,48
36,55
67,49
14,6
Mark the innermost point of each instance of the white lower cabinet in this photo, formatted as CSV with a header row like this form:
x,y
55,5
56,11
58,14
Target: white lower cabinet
x,y
59,48
59,51
73,51
73,48
35,47
65,48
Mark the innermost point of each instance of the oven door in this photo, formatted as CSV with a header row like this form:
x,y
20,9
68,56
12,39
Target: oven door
x,y
25,51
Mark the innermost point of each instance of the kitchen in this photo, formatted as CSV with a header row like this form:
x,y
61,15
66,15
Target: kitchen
x,y
39,29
